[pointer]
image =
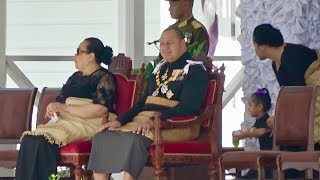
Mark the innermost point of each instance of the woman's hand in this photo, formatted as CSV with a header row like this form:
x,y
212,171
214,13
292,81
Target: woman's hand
x,y
111,125
55,107
145,128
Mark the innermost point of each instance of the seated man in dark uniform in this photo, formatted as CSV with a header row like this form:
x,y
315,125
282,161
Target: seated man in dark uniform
x,y
176,87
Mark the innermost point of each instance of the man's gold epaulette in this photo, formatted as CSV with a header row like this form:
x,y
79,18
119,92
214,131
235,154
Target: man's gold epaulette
x,y
196,24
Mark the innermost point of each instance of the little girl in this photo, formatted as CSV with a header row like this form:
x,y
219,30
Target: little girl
x,y
259,105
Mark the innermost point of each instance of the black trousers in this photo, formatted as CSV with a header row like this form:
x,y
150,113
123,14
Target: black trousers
x,y
37,159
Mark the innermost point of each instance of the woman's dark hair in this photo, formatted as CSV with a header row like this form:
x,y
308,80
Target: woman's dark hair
x,y
261,96
266,34
103,54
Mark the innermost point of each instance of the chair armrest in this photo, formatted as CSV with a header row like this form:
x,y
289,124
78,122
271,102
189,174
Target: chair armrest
x,y
183,121
232,149
10,141
177,122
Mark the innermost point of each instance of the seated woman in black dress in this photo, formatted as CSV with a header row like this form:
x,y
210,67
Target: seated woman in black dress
x,y
87,95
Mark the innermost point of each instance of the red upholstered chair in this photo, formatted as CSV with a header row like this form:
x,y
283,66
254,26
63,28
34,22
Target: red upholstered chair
x,y
129,90
301,133
293,126
47,96
16,105
204,150
298,160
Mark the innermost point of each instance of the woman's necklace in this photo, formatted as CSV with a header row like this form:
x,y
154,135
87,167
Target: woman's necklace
x,y
91,72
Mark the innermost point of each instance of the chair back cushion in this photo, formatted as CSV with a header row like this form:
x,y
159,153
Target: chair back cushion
x,y
125,93
209,98
121,64
16,107
48,95
294,115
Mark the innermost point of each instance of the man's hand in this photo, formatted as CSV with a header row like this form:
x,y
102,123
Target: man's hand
x,y
145,128
111,125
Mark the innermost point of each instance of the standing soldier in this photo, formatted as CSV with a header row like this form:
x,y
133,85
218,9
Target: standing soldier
x,y
195,33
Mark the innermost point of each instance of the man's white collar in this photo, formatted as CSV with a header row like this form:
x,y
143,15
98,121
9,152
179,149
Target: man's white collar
x,y
185,69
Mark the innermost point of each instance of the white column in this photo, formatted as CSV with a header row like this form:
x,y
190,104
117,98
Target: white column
x,y
3,25
131,29
3,73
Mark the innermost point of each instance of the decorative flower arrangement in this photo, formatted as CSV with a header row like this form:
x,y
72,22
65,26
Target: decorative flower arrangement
x,y
54,177
196,48
62,172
